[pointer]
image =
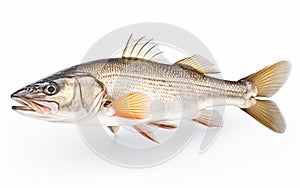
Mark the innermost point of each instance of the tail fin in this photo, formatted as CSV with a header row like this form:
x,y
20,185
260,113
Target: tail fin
x,y
268,81
267,113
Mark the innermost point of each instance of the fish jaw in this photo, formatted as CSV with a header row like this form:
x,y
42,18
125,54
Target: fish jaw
x,y
30,106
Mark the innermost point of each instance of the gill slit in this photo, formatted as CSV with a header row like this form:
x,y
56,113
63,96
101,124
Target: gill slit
x,y
80,93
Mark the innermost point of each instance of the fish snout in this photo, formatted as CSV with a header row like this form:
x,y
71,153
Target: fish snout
x,y
23,92
16,94
26,103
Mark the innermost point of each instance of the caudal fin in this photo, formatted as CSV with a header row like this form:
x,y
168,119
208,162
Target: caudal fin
x,y
268,81
267,113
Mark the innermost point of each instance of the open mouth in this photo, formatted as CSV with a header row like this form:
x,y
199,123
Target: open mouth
x,y
30,105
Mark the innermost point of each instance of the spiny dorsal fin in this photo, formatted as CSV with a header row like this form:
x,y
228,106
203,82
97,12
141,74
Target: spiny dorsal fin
x,y
133,105
141,48
199,64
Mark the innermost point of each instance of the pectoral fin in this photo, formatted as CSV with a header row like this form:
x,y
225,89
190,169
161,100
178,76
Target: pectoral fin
x,y
145,131
209,118
132,106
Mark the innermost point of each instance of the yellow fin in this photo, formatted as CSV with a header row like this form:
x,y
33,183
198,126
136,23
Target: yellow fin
x,y
270,79
134,105
145,131
142,48
199,64
267,113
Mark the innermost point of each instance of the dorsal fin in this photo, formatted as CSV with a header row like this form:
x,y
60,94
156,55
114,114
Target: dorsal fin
x,y
141,48
199,64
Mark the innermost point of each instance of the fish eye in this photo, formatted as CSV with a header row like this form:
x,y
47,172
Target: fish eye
x,y
51,89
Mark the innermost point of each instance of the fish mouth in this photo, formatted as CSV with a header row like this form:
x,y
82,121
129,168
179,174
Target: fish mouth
x,y
30,105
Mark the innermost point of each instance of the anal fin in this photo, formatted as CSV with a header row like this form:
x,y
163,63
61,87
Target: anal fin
x,y
209,118
212,119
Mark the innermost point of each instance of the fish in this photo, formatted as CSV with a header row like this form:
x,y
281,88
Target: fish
x,y
141,91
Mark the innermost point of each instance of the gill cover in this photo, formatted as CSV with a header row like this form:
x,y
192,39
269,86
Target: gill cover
x,y
91,91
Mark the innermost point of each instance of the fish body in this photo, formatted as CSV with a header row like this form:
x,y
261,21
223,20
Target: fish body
x,y
181,92
148,93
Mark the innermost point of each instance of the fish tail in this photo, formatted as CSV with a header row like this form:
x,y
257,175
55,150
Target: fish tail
x,y
268,81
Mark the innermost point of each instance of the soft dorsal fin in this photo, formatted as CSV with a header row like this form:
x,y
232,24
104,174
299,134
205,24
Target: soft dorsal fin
x,y
199,64
141,48
133,105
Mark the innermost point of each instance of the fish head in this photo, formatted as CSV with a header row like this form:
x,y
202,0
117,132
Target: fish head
x,y
60,98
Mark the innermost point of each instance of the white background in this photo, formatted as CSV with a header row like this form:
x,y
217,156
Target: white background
x,y
39,38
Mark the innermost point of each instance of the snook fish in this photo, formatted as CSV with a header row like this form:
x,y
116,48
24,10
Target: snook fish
x,y
147,93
